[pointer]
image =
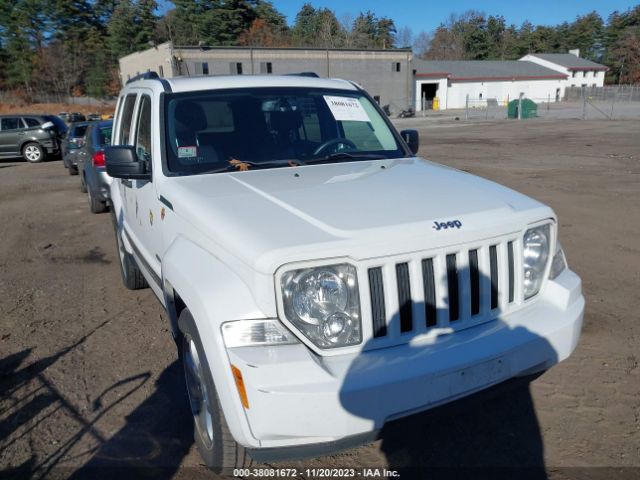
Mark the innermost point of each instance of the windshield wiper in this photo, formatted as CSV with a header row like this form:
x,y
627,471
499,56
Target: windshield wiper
x,y
340,155
254,165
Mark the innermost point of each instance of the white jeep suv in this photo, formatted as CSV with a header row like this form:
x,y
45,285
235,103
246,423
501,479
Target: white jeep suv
x,y
320,278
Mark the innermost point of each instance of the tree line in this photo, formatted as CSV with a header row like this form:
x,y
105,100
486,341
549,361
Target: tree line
x,y
475,36
71,47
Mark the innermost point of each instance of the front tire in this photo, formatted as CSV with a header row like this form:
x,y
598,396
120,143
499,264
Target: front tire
x,y
131,275
32,152
212,436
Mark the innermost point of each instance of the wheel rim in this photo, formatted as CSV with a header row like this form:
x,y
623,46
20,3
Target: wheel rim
x,y
32,153
197,390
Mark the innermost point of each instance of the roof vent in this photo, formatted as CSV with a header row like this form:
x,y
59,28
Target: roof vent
x,y
575,51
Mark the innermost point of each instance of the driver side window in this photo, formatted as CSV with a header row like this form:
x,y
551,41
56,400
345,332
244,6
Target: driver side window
x,y
143,131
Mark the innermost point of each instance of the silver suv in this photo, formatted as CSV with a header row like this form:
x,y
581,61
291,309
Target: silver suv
x,y
32,137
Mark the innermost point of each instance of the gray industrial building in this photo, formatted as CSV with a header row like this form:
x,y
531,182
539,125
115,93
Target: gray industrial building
x,y
386,74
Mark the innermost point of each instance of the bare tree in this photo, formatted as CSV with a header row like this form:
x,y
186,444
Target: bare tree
x,y
422,44
346,23
404,37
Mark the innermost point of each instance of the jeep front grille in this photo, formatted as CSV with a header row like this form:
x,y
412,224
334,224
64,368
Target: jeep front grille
x,y
456,289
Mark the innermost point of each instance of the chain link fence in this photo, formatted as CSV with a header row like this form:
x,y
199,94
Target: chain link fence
x,y
612,102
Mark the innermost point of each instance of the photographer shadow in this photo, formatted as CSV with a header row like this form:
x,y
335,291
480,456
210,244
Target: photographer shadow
x,y
478,433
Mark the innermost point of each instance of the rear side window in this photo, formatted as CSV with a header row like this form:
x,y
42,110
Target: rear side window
x,y
104,135
126,120
10,123
79,131
31,122
143,135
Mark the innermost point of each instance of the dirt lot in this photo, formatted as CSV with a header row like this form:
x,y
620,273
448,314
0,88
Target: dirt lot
x,y
89,374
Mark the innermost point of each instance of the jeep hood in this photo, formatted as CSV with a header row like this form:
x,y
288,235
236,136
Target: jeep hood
x,y
360,209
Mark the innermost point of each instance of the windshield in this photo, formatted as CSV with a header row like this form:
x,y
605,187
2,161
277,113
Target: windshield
x,y
215,131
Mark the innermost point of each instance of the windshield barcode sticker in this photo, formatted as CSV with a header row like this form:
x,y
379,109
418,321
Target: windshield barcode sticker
x,y
184,152
346,108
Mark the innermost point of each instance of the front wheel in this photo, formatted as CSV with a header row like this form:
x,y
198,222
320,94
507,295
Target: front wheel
x,y
33,152
213,439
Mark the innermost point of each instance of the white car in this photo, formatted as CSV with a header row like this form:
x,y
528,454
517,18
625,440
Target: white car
x,y
319,277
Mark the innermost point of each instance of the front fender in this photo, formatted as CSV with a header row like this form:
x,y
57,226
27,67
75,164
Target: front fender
x,y
213,294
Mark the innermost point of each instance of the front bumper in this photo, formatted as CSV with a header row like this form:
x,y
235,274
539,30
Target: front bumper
x,y
297,398
51,146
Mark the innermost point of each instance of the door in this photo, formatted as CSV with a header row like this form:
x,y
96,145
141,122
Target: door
x,y
11,134
144,218
122,136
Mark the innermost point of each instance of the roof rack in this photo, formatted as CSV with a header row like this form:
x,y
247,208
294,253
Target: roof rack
x,y
304,74
144,76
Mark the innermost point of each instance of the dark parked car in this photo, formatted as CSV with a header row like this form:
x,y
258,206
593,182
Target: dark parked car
x,y
71,145
94,180
93,117
76,117
33,137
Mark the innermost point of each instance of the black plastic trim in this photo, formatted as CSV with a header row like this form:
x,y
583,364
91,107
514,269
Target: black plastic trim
x,y
378,310
166,85
404,297
474,278
493,263
429,286
166,202
454,290
138,256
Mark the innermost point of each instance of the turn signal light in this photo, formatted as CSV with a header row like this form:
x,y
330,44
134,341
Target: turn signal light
x,y
237,376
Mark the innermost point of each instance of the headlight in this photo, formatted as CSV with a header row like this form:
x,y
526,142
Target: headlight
x,y
535,255
324,304
246,333
559,262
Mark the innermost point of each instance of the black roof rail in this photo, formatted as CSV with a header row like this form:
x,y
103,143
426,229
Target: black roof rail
x,y
144,76
150,75
304,74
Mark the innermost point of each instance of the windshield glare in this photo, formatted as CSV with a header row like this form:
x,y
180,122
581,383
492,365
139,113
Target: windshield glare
x,y
267,128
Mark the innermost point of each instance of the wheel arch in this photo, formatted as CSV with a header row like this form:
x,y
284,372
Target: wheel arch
x,y
194,279
25,141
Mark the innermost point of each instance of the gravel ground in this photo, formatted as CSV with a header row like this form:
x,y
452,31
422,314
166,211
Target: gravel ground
x,y
89,376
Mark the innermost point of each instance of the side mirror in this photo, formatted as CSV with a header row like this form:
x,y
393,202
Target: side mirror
x,y
412,138
123,162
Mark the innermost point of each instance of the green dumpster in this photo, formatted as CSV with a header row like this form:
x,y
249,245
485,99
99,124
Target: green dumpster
x,y
529,108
